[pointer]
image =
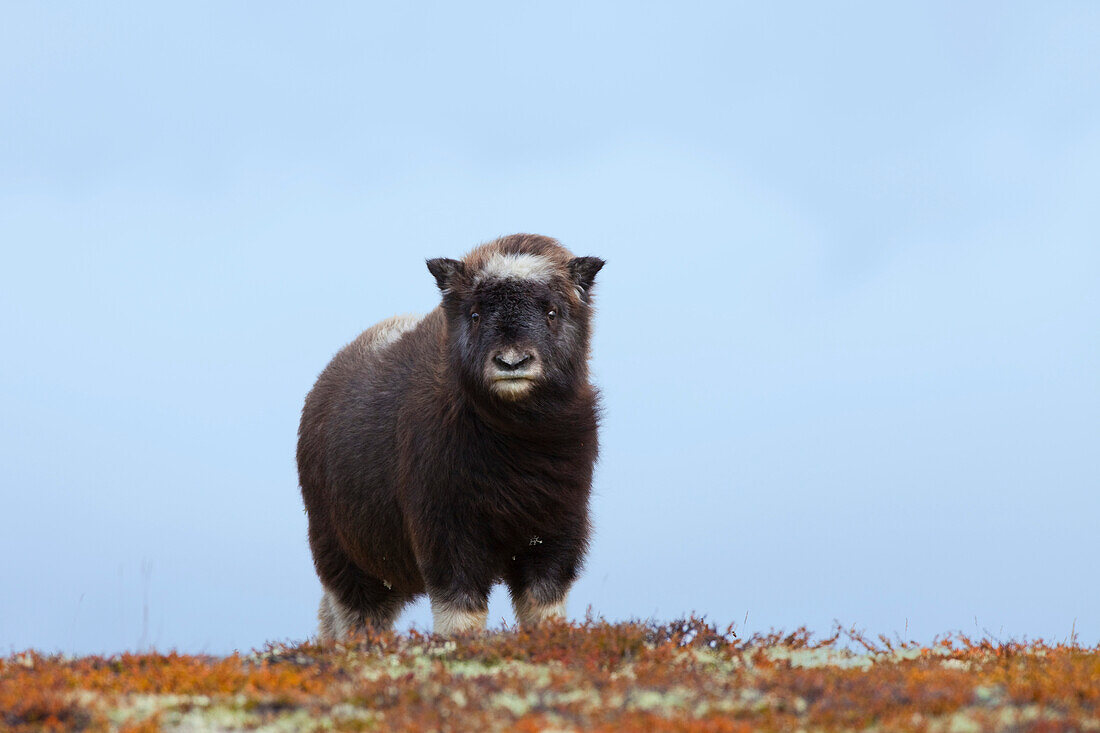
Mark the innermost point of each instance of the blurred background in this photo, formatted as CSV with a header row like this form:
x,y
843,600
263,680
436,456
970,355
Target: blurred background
x,y
847,333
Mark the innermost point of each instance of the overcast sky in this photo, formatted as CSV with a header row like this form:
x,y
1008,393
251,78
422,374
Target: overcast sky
x,y
848,334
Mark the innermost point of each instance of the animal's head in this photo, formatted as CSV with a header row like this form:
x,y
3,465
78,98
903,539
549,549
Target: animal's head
x,y
518,312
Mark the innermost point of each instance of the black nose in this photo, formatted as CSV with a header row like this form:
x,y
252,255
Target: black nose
x,y
511,361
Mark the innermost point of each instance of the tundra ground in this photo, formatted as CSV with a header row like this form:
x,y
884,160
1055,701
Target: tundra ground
x,y
682,676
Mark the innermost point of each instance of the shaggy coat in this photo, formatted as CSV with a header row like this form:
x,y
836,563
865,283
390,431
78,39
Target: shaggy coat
x,y
443,454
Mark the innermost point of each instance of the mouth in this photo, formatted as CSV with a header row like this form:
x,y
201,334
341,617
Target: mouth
x,y
512,386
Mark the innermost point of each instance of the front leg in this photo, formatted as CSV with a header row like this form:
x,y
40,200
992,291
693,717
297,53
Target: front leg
x,y
539,578
458,579
453,615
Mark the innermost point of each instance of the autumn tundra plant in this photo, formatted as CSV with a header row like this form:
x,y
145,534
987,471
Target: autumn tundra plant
x,y
445,453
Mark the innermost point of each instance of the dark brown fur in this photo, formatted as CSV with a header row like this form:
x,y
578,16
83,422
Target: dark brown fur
x,y
417,477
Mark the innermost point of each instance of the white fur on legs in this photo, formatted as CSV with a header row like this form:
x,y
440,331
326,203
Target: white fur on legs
x,y
449,619
337,621
531,612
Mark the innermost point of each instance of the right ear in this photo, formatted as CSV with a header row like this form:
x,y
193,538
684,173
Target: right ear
x,y
445,271
583,271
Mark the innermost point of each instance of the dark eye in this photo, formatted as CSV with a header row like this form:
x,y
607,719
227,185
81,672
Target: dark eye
x,y
475,317
552,315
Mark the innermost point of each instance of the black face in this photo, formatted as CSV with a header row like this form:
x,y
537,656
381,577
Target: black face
x,y
515,338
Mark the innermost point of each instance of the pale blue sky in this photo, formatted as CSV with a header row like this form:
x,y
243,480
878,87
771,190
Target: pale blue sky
x,y
848,329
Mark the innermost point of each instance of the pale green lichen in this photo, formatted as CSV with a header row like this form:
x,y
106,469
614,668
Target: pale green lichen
x,y
515,704
820,657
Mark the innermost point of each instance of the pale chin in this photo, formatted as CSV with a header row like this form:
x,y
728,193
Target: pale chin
x,y
511,389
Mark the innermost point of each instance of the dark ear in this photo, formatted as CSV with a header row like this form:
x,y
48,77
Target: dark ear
x,y
445,271
583,271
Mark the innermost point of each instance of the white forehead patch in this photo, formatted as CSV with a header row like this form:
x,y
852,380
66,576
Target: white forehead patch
x,y
516,266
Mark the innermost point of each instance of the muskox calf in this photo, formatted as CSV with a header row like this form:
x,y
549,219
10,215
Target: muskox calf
x,y
443,454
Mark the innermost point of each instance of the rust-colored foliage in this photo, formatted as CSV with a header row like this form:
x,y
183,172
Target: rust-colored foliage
x,y
682,676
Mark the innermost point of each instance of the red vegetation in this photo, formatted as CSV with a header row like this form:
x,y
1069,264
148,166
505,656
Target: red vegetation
x,y
685,676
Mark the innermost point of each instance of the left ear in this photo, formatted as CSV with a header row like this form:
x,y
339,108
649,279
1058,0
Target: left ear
x,y
583,271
